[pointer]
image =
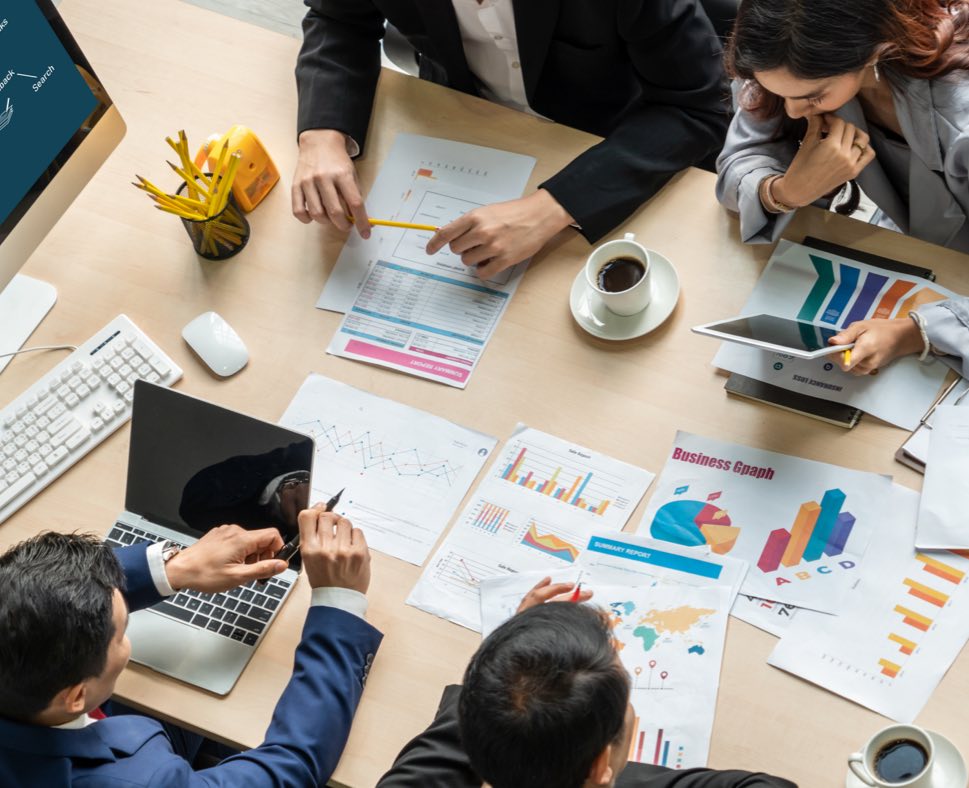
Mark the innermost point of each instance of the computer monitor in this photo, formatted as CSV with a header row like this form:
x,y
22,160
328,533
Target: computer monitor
x,y
57,125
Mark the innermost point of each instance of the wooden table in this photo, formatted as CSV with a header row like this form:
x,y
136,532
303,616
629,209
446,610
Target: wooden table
x,y
111,252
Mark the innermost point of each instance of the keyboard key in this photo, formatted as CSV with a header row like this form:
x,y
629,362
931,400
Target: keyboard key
x,y
219,599
230,617
260,615
247,595
238,634
251,624
275,591
194,604
16,488
200,621
206,609
219,613
242,609
225,629
213,626
56,456
250,639
260,599
173,611
127,538
272,604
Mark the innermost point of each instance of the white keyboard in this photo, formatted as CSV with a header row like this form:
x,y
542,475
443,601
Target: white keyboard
x,y
74,407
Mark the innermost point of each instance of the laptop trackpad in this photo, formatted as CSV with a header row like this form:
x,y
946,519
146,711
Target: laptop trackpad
x,y
194,655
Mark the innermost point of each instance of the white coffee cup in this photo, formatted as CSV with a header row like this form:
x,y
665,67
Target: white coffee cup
x,y
863,763
623,302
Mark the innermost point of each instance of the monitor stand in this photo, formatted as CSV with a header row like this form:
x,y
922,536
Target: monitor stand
x,y
23,304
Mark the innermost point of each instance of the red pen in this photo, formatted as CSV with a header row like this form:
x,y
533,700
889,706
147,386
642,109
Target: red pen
x,y
576,593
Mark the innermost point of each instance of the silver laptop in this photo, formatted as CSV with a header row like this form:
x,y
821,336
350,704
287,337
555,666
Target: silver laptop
x,y
193,466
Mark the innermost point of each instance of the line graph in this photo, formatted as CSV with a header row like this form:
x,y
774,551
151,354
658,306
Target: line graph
x,y
365,451
459,573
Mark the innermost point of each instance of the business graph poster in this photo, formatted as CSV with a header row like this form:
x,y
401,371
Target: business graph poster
x,y
802,526
899,630
834,292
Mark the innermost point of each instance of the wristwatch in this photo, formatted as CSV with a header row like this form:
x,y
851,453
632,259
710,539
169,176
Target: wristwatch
x,y
169,550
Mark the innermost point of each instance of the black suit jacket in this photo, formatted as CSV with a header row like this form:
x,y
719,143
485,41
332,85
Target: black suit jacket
x,y
435,759
645,74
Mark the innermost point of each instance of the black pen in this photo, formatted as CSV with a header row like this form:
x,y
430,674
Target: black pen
x,y
291,547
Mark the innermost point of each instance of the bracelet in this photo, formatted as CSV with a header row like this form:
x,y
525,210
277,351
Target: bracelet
x,y
919,321
771,203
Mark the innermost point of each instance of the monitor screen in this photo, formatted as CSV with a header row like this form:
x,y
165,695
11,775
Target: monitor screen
x,y
51,104
193,466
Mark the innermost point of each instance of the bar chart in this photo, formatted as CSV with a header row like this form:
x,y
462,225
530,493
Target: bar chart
x,y
818,530
653,745
575,484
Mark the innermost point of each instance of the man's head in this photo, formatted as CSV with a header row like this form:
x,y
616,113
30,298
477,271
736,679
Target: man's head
x,y
63,621
546,701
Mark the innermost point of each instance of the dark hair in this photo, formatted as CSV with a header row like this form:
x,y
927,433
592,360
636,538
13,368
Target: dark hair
x,y
55,617
542,697
816,39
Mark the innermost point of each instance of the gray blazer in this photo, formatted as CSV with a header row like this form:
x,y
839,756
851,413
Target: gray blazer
x,y
934,117
947,326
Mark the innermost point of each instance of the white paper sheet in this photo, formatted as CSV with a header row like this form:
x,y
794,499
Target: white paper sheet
x,y
425,180
803,526
824,288
942,521
917,446
898,631
535,509
404,470
670,640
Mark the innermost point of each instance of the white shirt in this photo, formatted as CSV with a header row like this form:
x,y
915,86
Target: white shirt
x,y
490,42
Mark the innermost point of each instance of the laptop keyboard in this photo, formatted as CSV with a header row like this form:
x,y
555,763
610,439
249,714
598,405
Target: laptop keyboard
x,y
240,614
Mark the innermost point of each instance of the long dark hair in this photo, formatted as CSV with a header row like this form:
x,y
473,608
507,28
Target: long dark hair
x,y
816,39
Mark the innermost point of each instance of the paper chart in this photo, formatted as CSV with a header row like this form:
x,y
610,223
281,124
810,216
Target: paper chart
x,y
824,288
404,470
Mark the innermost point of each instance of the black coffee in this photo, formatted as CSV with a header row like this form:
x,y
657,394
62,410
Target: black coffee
x,y
900,760
620,274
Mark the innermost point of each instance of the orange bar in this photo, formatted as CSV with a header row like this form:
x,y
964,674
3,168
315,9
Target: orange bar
x,y
939,569
924,296
603,506
801,532
887,305
575,484
925,593
905,645
890,669
913,619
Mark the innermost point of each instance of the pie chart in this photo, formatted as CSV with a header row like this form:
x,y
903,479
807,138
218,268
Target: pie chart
x,y
693,523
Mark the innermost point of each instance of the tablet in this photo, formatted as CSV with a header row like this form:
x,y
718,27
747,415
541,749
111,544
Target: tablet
x,y
777,334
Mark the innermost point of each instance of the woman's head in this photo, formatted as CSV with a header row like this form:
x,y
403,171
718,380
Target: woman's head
x,y
813,56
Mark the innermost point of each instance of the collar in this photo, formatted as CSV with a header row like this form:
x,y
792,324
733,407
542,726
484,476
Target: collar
x,y
110,739
916,114
80,721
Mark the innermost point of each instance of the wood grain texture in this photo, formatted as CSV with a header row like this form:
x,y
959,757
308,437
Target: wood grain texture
x,y
170,65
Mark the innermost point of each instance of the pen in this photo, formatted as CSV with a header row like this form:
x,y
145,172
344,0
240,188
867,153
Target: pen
x,y
576,592
290,548
847,356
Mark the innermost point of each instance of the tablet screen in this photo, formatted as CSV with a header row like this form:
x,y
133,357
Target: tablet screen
x,y
777,331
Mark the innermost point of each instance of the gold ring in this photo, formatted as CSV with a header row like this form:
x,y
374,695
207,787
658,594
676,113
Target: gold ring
x,y
861,148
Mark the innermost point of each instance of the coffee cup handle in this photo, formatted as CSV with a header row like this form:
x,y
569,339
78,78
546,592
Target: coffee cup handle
x,y
855,763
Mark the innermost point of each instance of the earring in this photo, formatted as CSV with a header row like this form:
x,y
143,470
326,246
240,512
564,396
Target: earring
x,y
878,77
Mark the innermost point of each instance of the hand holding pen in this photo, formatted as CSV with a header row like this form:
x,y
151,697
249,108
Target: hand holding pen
x,y
547,591
290,548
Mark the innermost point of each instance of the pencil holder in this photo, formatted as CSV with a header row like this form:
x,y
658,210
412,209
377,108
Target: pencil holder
x,y
221,236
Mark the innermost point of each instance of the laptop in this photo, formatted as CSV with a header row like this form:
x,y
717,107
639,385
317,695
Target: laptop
x,y
193,466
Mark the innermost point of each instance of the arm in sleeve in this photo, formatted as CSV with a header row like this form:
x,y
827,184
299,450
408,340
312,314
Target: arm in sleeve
x,y
947,326
311,723
678,119
639,775
749,155
140,588
435,758
338,66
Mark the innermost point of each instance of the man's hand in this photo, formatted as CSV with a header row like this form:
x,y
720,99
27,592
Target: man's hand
x,y
878,342
547,591
325,187
335,553
226,557
832,153
496,237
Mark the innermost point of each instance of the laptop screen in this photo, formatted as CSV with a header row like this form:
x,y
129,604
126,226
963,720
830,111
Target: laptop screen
x,y
194,466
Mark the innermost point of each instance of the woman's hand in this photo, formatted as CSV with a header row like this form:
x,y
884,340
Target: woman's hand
x,y
832,153
877,343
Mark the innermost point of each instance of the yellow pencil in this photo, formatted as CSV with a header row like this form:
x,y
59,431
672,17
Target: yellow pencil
x,y
847,357
404,225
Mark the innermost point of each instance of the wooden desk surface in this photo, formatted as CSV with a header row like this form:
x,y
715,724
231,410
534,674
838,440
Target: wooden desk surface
x,y
111,252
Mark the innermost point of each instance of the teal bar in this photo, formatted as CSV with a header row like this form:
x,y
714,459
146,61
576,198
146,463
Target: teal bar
x,y
831,505
819,293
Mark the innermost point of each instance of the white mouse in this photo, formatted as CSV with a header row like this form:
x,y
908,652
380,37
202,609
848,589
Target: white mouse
x,y
216,343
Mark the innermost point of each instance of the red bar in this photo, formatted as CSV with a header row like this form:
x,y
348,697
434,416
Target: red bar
x,y
639,750
659,744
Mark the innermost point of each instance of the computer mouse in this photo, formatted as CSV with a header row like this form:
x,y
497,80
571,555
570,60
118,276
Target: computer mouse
x,y
216,343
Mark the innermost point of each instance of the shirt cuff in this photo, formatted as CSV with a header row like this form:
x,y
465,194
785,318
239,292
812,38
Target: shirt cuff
x,y
353,147
342,599
156,565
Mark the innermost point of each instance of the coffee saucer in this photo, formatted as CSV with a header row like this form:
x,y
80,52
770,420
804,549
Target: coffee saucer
x,y
949,770
590,313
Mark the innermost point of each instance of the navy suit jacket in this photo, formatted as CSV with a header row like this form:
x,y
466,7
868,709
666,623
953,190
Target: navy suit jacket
x,y
645,74
302,746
